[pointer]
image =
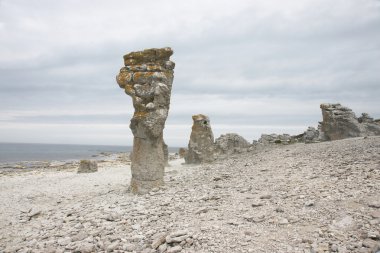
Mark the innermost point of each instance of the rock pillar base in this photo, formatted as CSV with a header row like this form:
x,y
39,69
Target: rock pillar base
x,y
148,165
143,187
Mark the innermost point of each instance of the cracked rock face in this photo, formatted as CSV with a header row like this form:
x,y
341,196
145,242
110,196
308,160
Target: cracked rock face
x,y
340,122
147,77
201,144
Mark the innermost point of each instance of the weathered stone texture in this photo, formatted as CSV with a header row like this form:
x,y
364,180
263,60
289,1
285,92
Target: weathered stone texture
x,y
311,135
231,143
340,122
267,139
87,166
147,77
201,144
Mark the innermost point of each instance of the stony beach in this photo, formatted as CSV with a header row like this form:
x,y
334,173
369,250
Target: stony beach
x,y
319,197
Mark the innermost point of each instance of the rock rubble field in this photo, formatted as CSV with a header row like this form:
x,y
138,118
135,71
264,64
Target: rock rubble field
x,y
319,197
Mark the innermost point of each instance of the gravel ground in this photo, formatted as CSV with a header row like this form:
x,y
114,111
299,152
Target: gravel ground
x,y
322,197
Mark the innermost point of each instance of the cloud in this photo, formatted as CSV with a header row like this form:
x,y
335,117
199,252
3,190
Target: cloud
x,y
247,64
67,133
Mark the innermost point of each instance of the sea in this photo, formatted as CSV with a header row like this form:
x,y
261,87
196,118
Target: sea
x,y
19,152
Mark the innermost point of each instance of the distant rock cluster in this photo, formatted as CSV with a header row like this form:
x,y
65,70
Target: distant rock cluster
x,y
203,149
339,122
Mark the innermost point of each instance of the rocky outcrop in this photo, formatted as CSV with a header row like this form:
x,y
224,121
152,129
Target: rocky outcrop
x,y
201,144
147,77
87,166
231,143
340,122
311,135
267,139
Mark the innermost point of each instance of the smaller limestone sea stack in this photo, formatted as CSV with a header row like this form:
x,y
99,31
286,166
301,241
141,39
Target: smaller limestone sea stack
x,y
340,122
201,144
147,77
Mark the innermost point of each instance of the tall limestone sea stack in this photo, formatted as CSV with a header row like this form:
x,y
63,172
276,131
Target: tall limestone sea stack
x,y
147,77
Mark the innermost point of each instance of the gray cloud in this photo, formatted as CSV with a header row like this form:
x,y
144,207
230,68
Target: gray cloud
x,y
251,66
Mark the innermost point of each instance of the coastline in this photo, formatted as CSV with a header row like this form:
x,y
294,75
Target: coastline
x,y
24,152
102,158
318,197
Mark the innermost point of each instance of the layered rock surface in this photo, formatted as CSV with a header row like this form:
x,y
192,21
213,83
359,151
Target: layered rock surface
x,y
340,122
147,77
201,144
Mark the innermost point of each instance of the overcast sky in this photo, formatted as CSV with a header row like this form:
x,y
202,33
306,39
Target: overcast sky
x,y
252,66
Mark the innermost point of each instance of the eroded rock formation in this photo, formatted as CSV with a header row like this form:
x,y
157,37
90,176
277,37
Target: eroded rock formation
x,y
147,77
340,122
201,144
231,143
